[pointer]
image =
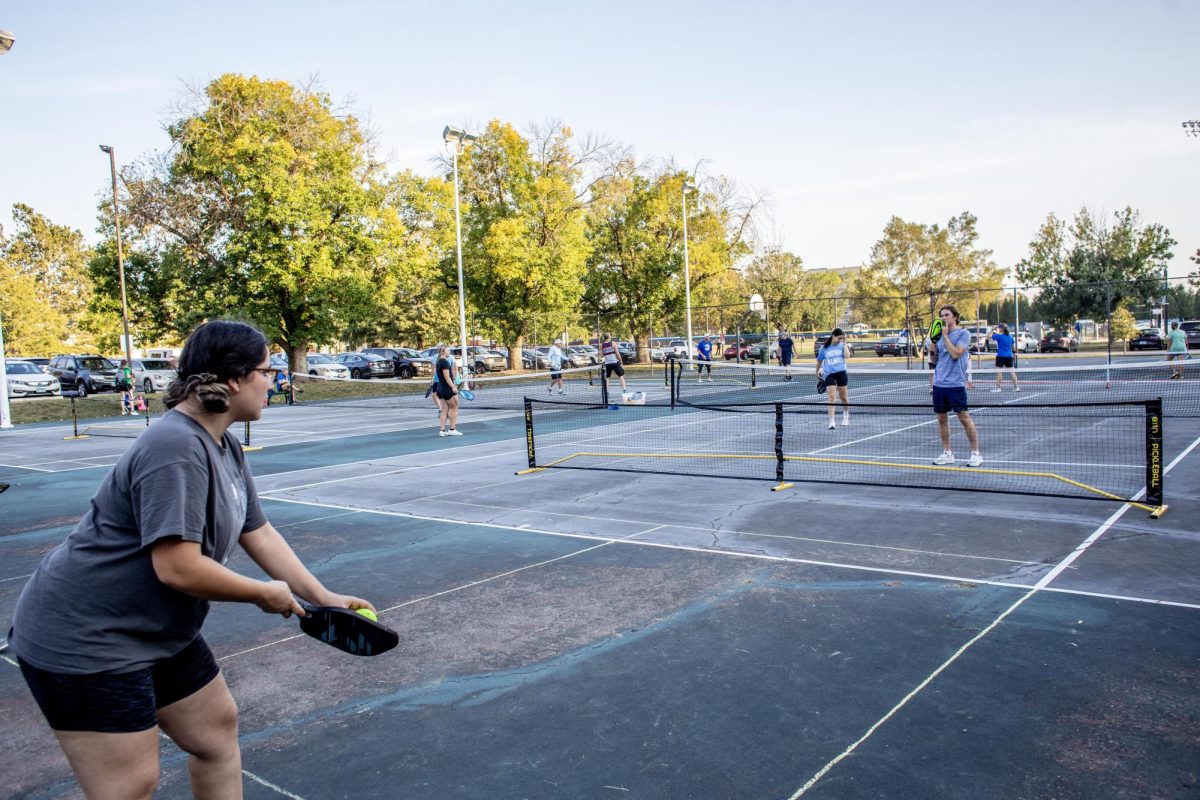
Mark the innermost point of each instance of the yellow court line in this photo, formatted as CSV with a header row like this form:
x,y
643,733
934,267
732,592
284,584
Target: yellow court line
x,y
861,462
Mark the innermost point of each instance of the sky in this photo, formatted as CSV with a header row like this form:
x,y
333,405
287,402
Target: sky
x,y
840,114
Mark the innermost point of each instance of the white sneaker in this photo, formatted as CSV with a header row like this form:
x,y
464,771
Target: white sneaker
x,y
975,460
845,418
994,391
134,414
1016,388
441,433
832,425
453,432
560,391
945,458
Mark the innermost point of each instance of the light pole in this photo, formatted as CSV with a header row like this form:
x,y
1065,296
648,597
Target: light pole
x,y
688,186
5,415
457,139
112,165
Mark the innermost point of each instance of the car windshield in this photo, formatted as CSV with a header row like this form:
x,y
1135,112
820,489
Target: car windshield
x,y
156,365
21,368
318,358
1189,326
96,363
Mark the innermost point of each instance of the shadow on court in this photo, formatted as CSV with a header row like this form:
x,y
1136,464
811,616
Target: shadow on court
x,y
580,634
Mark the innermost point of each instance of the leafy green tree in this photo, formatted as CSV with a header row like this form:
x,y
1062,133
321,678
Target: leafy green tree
x,y
32,326
525,247
1122,326
268,206
1087,268
930,265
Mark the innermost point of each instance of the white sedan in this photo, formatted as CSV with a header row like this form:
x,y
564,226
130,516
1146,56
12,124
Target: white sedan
x,y
152,374
26,380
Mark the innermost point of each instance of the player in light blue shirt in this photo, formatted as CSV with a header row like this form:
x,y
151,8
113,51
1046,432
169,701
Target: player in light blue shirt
x,y
1005,361
950,378
831,371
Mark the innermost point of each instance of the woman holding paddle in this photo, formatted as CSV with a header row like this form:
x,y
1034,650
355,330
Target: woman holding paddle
x,y
107,630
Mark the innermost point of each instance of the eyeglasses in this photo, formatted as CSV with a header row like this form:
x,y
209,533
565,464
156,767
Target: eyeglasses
x,y
269,374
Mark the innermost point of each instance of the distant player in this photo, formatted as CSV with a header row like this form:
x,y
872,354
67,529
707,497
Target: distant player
x,y
1177,350
704,356
557,358
831,367
953,345
612,360
1004,357
786,345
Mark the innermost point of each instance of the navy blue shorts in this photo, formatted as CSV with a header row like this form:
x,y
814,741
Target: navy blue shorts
x,y
125,702
949,398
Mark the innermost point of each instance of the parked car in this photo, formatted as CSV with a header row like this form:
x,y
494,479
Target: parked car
x,y
534,359
895,346
324,366
592,353
1058,340
1025,343
86,374
859,329
755,351
482,359
1191,329
405,363
627,351
279,361
981,340
38,361
25,379
1148,339
366,365
579,357
152,374
739,350
820,342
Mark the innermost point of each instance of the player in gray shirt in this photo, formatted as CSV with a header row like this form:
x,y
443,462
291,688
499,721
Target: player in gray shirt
x,y
107,630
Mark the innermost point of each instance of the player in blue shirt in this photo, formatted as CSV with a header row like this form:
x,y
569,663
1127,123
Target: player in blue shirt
x,y
1004,357
704,356
786,346
831,368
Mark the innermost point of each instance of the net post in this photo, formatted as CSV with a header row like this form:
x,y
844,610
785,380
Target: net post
x,y
530,451
74,422
674,383
753,377
1155,469
246,446
780,484
603,385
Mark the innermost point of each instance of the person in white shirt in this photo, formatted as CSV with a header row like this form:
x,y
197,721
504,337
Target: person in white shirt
x,y
557,357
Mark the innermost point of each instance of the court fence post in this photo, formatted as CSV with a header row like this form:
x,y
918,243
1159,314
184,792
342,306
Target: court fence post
x,y
780,484
1155,469
529,448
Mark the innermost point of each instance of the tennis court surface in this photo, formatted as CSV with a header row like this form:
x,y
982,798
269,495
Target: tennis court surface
x,y
624,633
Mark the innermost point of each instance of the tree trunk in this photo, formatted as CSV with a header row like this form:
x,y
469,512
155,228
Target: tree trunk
x,y
297,358
514,354
643,347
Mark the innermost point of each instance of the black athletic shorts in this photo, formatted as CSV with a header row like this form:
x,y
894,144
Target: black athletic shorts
x,y
837,379
613,369
1004,362
125,702
444,390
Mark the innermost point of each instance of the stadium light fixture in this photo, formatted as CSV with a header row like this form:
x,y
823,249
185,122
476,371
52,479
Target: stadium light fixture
x,y
6,41
112,164
1192,127
688,186
457,139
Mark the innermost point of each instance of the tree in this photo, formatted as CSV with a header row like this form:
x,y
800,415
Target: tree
x,y
928,264
268,206
525,243
32,327
1089,268
1122,326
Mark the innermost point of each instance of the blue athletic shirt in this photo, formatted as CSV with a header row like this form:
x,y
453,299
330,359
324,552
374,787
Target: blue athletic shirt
x,y
704,348
952,371
785,346
1004,344
832,358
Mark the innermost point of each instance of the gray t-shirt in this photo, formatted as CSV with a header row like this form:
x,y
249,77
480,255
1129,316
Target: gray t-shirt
x,y
95,604
952,371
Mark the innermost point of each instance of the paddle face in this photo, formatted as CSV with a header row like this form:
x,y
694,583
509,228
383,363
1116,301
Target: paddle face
x,y
467,394
347,630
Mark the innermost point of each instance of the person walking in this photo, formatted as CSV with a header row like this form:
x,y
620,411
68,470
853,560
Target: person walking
x,y
107,631
125,381
950,378
447,392
1177,350
1005,360
704,357
557,358
831,368
786,345
612,360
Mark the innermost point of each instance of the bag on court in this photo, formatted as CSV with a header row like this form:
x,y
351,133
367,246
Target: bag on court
x,y
634,398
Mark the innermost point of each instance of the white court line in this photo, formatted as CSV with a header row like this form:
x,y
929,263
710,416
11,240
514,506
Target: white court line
x,y
1038,587
15,578
270,785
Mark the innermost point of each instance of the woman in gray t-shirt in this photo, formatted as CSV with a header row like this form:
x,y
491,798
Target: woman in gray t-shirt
x,y
107,630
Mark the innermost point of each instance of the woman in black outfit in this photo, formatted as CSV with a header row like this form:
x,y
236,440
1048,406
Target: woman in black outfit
x,y
447,390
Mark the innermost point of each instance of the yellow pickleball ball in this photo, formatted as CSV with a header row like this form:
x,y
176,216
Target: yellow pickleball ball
x,y
368,613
